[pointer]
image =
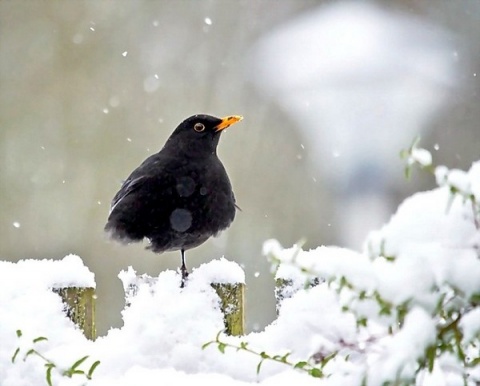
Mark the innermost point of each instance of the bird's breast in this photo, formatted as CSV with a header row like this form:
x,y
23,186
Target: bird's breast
x,y
206,195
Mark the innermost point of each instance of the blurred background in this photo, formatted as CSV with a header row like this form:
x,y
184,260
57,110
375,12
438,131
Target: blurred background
x,y
331,92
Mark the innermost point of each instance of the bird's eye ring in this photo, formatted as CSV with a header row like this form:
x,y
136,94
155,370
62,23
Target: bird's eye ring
x,y
199,127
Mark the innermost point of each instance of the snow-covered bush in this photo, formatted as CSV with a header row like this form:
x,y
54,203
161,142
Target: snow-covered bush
x,y
406,310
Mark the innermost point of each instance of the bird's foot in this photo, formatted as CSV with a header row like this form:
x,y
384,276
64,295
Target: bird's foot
x,y
184,272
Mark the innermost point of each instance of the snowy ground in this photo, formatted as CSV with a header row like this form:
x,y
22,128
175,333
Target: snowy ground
x,y
405,310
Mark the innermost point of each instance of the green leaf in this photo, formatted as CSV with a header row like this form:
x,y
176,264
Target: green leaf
x,y
259,366
243,345
300,365
431,352
474,362
316,372
49,375
451,198
92,369
458,343
14,356
281,358
328,358
362,322
79,362
284,358
19,333
39,339
29,352
408,172
264,355
344,282
385,307
207,344
475,299
415,143
221,347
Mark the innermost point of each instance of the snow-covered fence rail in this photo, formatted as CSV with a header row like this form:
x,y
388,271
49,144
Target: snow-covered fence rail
x,y
75,284
80,306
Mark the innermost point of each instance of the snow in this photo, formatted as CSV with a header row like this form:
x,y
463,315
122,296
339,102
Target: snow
x,y
470,325
422,156
441,173
400,353
373,313
68,272
459,180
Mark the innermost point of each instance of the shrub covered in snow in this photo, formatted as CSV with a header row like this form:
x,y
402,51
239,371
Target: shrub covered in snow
x,y
406,310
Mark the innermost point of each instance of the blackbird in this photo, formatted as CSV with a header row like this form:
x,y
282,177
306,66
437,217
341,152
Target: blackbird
x,y
180,196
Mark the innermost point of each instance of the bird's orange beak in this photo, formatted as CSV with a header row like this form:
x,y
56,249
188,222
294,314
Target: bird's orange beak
x,y
228,121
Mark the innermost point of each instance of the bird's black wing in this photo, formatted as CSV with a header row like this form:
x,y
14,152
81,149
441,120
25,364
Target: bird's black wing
x,y
148,169
130,185
137,203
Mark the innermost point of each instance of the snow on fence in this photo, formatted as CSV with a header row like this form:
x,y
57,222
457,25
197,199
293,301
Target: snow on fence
x,y
226,278
74,283
69,278
78,292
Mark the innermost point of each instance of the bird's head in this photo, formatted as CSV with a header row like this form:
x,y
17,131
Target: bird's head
x,y
198,135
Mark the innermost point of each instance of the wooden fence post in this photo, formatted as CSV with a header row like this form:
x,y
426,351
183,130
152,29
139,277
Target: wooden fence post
x,y
286,287
232,300
80,308
232,304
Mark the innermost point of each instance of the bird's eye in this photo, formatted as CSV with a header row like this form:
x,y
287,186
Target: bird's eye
x,y
199,127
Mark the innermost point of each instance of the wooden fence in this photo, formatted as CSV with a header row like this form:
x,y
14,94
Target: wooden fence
x,y
80,304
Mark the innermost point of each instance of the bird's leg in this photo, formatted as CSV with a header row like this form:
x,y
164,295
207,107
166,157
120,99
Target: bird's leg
x,y
183,269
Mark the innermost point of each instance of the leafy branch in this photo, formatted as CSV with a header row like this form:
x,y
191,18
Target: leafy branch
x,y
456,180
313,369
452,305
74,369
416,156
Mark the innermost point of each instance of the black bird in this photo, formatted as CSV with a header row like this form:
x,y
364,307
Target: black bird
x,y
180,196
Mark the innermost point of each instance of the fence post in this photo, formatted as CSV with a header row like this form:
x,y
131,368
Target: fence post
x,y
232,305
286,287
231,296
80,308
